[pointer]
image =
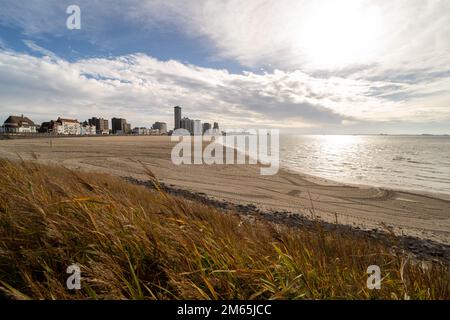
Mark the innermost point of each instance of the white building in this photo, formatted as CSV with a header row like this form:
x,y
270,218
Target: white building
x,y
68,127
198,129
15,124
87,129
142,131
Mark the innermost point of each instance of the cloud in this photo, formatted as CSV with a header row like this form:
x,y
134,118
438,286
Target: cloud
x,y
399,72
33,46
144,89
398,34
374,36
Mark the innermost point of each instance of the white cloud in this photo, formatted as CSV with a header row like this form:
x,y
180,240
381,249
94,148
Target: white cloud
x,y
290,34
362,61
144,89
373,36
285,34
33,46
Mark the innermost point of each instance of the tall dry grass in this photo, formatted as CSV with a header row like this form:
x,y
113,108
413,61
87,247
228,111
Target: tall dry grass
x,y
133,243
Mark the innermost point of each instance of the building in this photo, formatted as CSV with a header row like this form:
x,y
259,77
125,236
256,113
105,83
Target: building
x,y
188,125
140,131
206,127
67,126
198,129
88,129
101,125
16,124
120,126
161,126
127,128
49,127
177,119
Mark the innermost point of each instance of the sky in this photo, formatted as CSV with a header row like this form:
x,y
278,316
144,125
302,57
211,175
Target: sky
x,y
303,66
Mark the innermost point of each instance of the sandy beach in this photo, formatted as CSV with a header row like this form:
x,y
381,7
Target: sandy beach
x,y
421,215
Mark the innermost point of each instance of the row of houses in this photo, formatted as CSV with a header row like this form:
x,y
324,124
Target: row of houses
x,y
62,126
67,127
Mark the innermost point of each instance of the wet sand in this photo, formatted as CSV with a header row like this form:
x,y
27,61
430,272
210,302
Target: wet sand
x,y
421,215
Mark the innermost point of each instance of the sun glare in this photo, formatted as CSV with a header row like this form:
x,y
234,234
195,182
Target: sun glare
x,y
338,33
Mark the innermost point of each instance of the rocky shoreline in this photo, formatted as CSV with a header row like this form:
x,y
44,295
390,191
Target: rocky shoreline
x,y
421,249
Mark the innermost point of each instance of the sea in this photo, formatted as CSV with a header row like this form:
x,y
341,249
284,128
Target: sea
x,y
415,163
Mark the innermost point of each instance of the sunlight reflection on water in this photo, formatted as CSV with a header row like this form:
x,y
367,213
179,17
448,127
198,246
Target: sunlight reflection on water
x,y
406,162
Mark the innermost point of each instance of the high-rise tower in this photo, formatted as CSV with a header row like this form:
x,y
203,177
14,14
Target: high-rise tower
x,y
198,128
177,118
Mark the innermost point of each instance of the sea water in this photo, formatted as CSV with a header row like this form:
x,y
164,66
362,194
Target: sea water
x,y
419,163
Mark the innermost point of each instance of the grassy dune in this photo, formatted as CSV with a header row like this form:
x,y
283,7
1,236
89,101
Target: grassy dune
x,y
133,243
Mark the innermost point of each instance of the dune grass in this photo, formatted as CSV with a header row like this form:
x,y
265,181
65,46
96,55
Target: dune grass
x,y
134,243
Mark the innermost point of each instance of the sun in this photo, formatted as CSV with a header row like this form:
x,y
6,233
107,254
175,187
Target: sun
x,y
335,34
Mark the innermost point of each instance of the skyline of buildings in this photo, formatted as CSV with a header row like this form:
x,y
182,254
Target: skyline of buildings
x,y
101,126
195,127
63,126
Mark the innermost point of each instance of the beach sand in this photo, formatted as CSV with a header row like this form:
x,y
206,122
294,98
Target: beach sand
x,y
416,214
